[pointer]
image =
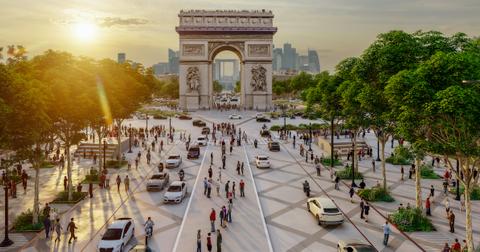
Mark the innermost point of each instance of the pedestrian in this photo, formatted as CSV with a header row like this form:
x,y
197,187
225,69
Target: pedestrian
x,y
402,171
211,158
205,186
107,181
386,233
362,184
199,241
209,188
210,172
71,227
238,167
229,214
24,181
227,188
209,242
213,217
465,246
337,180
241,169
230,198
351,192
221,215
58,229
427,206
451,221
233,189
446,248
445,187
317,167
456,247
373,165
65,183
362,207
126,181
217,188
219,241
47,224
446,202
432,191
119,181
366,210
220,175
46,210
90,189
242,188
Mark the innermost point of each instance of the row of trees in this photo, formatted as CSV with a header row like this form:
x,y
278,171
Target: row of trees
x,y
55,96
293,87
420,87
167,87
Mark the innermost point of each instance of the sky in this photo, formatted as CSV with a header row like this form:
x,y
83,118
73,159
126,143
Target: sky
x,y
145,29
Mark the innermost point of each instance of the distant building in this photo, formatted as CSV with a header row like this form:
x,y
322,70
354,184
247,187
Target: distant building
x,y
173,61
313,61
289,57
161,68
226,72
303,64
121,58
277,59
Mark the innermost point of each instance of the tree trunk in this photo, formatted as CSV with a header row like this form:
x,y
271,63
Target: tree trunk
x,y
69,170
468,222
36,208
99,155
354,145
382,154
418,186
119,141
332,154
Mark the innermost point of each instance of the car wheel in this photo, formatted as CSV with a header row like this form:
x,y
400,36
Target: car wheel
x,y
121,248
308,207
318,219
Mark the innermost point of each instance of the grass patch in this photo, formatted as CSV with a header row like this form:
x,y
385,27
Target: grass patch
x,y
375,194
327,161
62,197
23,222
411,220
346,173
47,164
400,156
426,172
115,164
474,195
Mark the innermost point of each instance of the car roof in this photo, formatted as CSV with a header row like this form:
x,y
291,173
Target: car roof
x,y
159,173
119,223
173,155
176,183
325,202
262,156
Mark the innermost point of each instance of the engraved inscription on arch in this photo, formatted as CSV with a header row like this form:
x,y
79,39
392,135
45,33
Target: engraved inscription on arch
x,y
193,50
262,50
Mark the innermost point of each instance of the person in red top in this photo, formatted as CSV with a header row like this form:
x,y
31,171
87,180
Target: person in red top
x,y
213,217
242,188
209,243
427,206
456,246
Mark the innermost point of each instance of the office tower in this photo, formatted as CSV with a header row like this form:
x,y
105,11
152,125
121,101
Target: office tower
x,y
173,61
277,59
161,68
289,57
313,61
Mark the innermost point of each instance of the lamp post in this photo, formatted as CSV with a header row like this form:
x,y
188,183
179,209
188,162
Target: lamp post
x,y
130,138
310,138
458,184
6,241
146,125
353,166
104,153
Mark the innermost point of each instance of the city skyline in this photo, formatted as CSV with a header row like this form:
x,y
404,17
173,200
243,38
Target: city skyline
x,y
146,29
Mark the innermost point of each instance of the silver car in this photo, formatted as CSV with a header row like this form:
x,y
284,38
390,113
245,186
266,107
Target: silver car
x,y
158,181
173,161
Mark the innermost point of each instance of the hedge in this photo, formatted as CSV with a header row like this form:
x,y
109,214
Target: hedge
x,y
474,195
426,172
400,156
62,197
375,194
411,220
346,173
23,222
327,161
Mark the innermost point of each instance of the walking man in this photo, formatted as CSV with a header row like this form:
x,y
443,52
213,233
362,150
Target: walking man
x,y
451,221
119,181
65,183
209,243
362,206
366,210
242,188
71,227
351,192
199,241
90,189
126,181
427,206
227,188
317,167
205,186
213,217
373,165
386,233
241,169
238,167
58,229
219,241
233,189
209,188
47,225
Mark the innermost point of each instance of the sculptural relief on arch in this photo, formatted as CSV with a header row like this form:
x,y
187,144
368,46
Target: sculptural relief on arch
x,y
204,33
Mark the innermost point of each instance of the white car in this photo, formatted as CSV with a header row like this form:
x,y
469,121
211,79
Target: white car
x,y
117,235
259,115
262,162
325,211
202,141
176,192
173,161
158,181
234,116
354,246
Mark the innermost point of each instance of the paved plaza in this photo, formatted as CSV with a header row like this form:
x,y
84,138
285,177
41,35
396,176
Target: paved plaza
x,y
271,217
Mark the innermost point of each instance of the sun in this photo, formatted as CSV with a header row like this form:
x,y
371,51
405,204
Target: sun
x,y
85,31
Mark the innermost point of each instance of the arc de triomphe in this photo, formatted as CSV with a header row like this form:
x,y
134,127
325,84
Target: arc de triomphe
x,y
204,34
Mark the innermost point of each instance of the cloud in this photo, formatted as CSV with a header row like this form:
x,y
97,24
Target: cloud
x,y
117,21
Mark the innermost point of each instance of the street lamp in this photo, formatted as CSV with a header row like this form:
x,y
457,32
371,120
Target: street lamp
x,y
104,154
353,166
458,184
130,139
310,138
6,241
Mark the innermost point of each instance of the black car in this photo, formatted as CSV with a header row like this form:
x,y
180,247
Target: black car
x,y
274,146
263,119
199,123
265,133
184,117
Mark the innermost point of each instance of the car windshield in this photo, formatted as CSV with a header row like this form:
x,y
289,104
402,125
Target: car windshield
x,y
174,157
158,176
174,188
274,144
112,234
262,158
201,138
330,210
363,248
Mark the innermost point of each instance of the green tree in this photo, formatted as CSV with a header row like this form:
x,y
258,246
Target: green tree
x,y
238,87
217,87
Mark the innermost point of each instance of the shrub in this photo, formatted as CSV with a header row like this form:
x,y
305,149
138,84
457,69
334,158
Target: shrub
x,y
426,172
62,197
115,163
400,156
275,128
346,173
474,195
23,222
327,161
411,220
375,194
47,164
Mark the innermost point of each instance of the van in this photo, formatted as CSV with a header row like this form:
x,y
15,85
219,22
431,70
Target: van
x,y
325,211
193,152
